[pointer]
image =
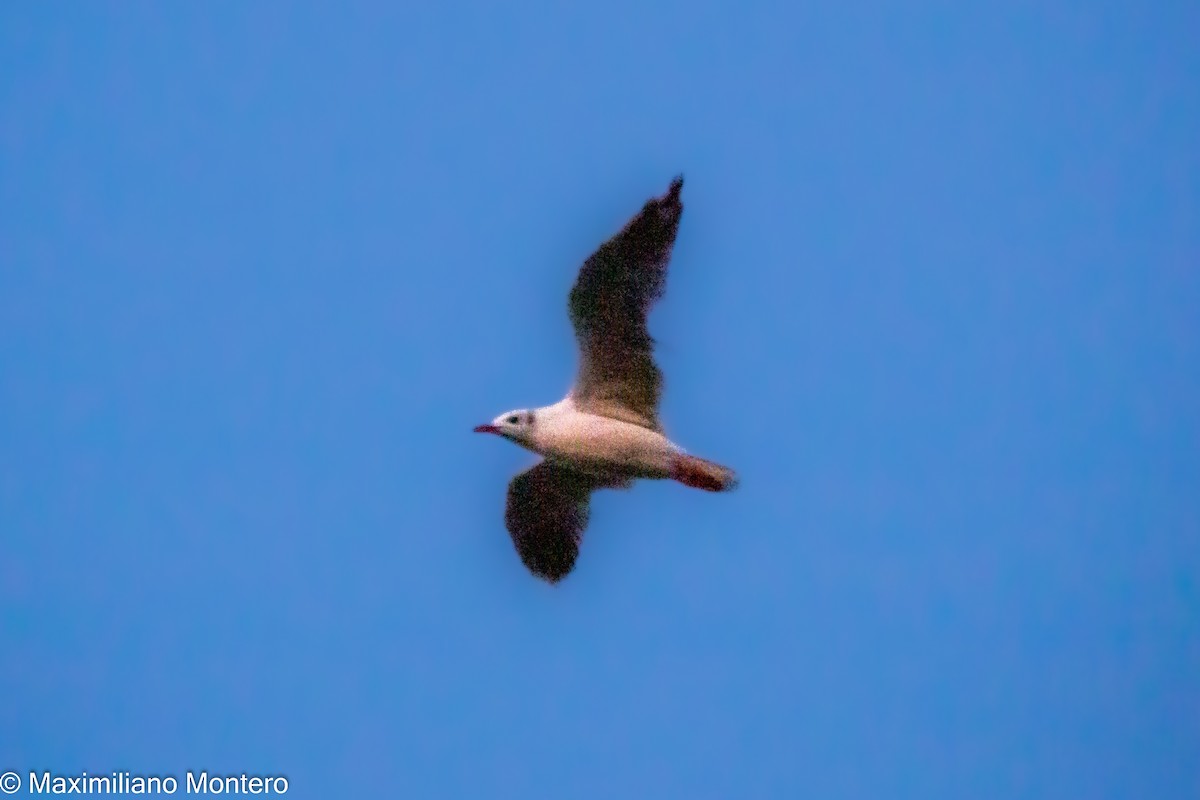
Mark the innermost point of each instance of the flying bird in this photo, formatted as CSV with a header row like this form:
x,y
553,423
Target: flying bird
x,y
605,433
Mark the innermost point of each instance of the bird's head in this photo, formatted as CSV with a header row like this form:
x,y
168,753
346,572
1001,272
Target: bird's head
x,y
514,425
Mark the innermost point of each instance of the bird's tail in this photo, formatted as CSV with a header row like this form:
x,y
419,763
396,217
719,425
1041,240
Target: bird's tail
x,y
701,474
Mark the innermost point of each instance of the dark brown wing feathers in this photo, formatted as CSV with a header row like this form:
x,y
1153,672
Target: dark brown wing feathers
x,y
615,289
546,513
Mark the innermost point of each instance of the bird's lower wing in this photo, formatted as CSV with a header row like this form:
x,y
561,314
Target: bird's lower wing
x,y
546,514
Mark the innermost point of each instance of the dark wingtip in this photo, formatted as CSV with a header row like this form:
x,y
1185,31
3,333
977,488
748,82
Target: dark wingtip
x,y
550,570
676,185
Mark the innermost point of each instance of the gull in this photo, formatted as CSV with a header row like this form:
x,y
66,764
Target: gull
x,y
605,433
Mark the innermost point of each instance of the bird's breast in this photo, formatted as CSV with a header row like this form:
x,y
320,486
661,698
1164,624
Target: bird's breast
x,y
600,444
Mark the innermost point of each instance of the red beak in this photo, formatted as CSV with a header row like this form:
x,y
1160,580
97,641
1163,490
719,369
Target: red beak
x,y
486,429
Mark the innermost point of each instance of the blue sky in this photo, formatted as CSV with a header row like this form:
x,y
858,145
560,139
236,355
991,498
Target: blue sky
x,y
935,295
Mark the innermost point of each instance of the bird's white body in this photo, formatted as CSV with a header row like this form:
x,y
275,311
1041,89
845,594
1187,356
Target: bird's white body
x,y
599,445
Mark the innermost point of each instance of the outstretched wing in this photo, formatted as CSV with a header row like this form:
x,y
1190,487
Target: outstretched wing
x,y
546,513
615,289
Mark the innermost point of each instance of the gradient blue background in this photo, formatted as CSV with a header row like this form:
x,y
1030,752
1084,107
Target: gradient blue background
x,y
936,295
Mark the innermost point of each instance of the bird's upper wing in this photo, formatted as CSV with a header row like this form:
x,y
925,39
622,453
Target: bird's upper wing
x,y
546,513
615,289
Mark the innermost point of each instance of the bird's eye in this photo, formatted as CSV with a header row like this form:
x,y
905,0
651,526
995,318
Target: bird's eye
x,y
513,420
